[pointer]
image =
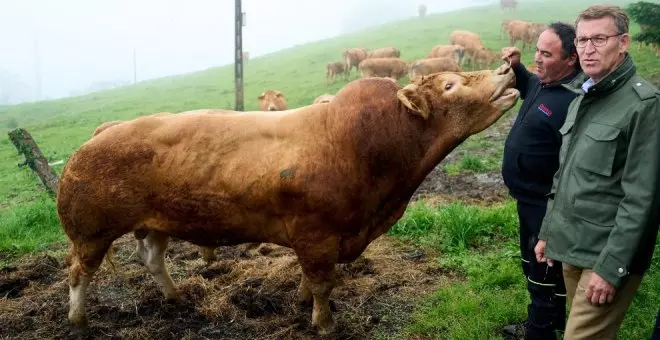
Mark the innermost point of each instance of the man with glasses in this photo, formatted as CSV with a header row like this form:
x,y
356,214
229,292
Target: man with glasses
x,y
531,157
603,214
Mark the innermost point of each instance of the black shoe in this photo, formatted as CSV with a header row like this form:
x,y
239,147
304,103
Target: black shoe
x,y
516,331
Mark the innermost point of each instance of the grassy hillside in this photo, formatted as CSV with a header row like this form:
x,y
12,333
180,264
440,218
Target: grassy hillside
x,y
492,293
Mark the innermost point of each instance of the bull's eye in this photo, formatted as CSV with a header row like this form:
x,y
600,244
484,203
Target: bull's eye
x,y
448,86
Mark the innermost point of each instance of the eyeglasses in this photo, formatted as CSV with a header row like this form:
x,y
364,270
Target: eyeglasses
x,y
596,40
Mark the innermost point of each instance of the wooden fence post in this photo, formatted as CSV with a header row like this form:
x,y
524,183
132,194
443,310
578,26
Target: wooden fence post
x,y
25,144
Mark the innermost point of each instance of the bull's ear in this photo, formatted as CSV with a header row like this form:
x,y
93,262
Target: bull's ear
x,y
412,98
262,96
279,94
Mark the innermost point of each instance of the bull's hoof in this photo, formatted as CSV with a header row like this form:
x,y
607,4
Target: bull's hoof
x,y
78,321
79,332
325,325
173,296
327,329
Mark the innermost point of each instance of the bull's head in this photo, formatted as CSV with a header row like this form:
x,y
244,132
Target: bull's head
x,y
466,103
272,100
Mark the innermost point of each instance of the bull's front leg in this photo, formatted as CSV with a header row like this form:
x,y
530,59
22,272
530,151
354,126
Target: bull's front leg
x,y
317,259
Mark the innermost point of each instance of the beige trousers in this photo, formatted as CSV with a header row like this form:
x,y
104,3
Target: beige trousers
x,y
586,321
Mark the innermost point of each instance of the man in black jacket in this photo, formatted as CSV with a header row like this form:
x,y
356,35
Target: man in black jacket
x,y
531,157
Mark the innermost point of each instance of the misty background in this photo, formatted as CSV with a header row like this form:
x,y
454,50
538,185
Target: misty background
x,y
53,49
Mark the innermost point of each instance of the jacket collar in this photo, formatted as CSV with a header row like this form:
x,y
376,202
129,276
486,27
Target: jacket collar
x,y
613,81
566,80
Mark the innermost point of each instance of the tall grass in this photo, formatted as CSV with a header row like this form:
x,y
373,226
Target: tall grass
x,y
30,227
456,227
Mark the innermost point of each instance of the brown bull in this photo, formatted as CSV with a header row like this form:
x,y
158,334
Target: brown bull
x,y
325,180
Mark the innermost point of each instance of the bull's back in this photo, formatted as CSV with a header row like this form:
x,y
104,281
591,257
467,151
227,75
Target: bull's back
x,y
209,179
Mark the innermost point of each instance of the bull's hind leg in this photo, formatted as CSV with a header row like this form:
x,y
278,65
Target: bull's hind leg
x,y
85,261
156,244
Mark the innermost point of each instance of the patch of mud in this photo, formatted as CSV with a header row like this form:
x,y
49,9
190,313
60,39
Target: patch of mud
x,y
44,270
249,293
479,189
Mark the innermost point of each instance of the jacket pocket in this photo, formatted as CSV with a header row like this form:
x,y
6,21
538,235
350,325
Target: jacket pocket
x,y
596,212
598,149
595,222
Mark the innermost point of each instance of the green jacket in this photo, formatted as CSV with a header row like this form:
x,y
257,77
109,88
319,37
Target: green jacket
x,y
603,211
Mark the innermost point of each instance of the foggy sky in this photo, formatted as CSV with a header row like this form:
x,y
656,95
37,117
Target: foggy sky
x,y
80,42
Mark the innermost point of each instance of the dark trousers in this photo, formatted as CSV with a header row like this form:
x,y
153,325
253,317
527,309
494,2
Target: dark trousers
x,y
547,310
656,331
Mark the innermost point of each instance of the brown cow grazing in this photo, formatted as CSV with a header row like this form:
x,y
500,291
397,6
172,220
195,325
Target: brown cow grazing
x,y
394,68
421,10
325,180
385,52
456,52
334,68
272,100
469,40
352,58
324,98
433,65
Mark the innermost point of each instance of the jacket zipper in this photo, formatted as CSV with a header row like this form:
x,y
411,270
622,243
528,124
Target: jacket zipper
x,y
536,94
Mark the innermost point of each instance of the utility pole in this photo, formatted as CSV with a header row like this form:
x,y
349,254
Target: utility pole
x,y
37,67
238,57
134,67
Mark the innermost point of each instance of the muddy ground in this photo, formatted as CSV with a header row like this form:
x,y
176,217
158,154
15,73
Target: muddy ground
x,y
246,294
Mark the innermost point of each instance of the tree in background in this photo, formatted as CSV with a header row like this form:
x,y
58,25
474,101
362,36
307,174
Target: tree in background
x,y
647,15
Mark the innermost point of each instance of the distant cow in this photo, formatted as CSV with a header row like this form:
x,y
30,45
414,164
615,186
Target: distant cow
x,y
394,68
385,52
246,56
334,68
523,31
510,4
272,100
352,58
324,98
433,65
421,10
456,52
469,40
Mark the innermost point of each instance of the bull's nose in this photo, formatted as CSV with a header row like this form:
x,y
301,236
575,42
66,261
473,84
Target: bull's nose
x,y
272,108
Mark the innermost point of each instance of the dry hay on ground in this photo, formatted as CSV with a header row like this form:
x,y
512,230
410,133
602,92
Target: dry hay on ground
x,y
244,295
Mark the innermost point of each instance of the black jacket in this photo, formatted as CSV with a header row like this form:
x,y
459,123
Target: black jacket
x,y
531,152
